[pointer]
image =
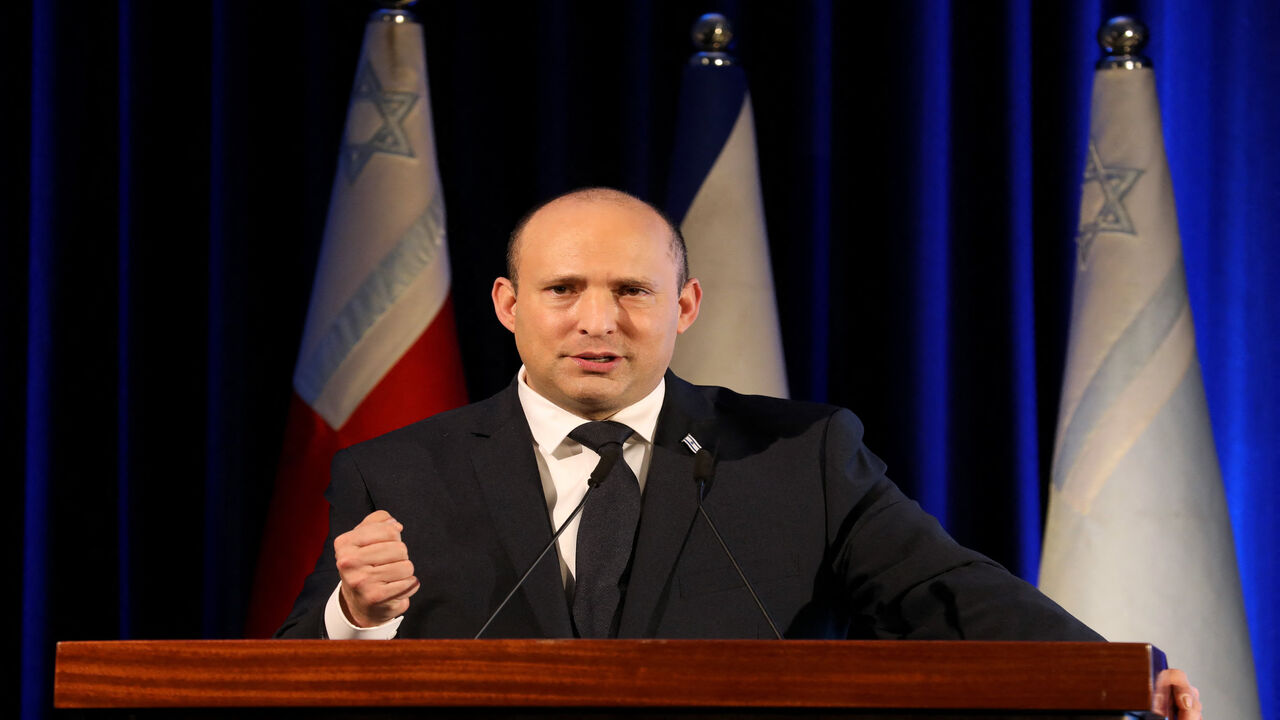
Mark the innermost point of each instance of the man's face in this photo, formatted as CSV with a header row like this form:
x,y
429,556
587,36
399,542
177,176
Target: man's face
x,y
597,309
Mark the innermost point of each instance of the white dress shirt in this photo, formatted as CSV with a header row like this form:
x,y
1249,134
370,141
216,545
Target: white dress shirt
x,y
563,466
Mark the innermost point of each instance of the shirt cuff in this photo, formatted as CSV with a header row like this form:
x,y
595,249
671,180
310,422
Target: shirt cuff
x,y
338,627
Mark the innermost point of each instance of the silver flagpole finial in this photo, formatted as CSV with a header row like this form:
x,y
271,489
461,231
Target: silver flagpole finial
x,y
712,35
1122,38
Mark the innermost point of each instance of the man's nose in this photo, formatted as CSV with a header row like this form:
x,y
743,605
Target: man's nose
x,y
597,313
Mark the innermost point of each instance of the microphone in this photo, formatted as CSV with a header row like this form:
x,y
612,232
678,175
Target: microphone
x,y
703,470
609,455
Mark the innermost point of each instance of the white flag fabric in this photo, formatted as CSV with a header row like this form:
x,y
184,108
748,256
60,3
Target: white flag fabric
x,y
1138,542
380,347
736,341
383,272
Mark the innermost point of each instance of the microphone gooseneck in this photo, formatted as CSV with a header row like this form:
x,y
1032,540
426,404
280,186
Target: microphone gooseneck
x,y
703,470
608,457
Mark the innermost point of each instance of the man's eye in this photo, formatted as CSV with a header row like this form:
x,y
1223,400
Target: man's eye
x,y
558,289
634,291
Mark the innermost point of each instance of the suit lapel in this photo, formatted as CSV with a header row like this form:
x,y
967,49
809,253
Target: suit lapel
x,y
507,473
669,507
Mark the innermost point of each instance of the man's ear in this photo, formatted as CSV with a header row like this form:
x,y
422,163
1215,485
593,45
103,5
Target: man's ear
x,y
504,302
689,302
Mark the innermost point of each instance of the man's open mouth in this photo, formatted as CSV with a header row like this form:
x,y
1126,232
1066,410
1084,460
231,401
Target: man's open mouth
x,y
595,361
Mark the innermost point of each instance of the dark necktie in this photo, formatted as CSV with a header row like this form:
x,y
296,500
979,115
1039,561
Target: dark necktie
x,y
606,533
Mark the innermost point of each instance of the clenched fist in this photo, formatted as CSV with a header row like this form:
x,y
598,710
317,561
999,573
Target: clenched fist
x,y
377,577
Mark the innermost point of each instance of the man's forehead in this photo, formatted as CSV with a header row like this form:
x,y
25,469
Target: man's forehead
x,y
595,219
562,226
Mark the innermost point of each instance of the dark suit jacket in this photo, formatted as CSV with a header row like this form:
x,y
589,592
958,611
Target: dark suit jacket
x,y
831,545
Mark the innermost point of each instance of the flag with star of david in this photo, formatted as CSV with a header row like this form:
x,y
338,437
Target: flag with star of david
x,y
714,197
1138,541
379,349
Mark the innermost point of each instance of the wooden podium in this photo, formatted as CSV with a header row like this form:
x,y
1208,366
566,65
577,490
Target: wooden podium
x,y
598,678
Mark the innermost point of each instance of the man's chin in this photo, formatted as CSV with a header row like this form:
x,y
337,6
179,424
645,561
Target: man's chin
x,y
594,396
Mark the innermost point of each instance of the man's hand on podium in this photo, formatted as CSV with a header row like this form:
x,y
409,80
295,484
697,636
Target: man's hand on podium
x,y
1172,686
377,576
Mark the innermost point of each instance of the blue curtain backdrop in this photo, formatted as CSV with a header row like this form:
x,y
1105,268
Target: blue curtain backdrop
x,y
920,163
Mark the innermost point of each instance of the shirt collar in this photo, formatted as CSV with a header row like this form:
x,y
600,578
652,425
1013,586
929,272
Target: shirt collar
x,y
550,424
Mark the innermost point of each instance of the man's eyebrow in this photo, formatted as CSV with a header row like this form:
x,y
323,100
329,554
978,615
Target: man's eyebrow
x,y
562,280
568,279
633,281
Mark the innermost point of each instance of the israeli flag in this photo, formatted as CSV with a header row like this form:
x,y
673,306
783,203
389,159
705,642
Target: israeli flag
x,y
1138,542
714,197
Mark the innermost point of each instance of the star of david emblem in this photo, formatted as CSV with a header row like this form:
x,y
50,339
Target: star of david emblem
x,y
389,110
1113,217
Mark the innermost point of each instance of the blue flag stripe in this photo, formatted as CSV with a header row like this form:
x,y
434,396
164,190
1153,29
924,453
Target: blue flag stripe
x,y
1123,362
416,250
710,101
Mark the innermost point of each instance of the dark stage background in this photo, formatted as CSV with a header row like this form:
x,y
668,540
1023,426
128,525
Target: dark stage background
x,y
169,167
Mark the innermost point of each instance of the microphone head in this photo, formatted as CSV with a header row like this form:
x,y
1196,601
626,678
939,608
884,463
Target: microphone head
x,y
704,465
609,454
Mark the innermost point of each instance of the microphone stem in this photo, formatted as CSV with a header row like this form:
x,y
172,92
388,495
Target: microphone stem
x,y
545,550
737,567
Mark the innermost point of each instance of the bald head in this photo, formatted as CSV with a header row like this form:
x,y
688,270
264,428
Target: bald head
x,y
601,195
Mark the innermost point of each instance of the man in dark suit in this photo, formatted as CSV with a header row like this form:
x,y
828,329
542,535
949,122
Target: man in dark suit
x,y
597,294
